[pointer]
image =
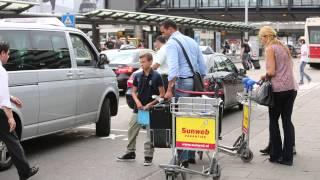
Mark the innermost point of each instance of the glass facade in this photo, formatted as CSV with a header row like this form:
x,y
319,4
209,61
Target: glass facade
x,y
237,3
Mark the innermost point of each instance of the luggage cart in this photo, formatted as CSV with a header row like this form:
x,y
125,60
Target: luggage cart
x,y
241,146
194,127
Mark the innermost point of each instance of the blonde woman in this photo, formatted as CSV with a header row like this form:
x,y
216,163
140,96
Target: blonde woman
x,y
279,67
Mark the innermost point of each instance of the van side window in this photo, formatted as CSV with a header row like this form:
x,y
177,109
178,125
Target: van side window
x,y
82,51
20,50
50,50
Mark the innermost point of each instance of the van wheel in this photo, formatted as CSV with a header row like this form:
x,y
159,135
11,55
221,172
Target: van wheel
x,y
103,124
5,158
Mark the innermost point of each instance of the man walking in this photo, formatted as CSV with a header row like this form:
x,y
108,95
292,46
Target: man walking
x,y
8,123
180,74
160,59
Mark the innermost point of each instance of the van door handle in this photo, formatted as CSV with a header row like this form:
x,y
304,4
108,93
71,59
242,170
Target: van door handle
x,y
70,74
80,73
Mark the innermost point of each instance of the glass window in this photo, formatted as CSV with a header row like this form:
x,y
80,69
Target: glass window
x,y
82,51
50,50
20,49
32,50
222,63
123,57
314,35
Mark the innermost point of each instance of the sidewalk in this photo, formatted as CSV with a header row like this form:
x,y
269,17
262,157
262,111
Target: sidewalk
x,y
307,127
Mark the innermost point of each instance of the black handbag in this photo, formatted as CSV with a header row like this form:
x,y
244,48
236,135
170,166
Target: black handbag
x,y
263,94
197,78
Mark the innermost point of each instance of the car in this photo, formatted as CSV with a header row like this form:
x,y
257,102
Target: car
x,y
60,77
221,72
124,62
224,78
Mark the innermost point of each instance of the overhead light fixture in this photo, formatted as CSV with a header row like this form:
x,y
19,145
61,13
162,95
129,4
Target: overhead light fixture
x,y
222,15
284,15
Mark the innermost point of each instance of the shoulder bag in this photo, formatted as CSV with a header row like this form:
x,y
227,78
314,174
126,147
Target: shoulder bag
x,y
197,79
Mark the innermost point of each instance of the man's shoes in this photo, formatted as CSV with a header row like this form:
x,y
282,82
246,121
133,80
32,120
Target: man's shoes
x,y
130,156
147,161
301,83
34,170
265,151
185,164
192,161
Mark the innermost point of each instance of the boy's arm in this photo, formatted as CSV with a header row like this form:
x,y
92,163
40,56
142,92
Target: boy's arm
x,y
135,97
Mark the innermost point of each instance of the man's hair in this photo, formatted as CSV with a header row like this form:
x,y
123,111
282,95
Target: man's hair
x,y
246,40
161,39
168,23
4,46
147,55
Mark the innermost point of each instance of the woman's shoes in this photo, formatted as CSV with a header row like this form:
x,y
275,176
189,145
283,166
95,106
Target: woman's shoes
x,y
265,151
281,161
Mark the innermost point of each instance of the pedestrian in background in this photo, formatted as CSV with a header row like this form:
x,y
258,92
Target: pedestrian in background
x,y
7,122
145,84
180,74
303,61
160,59
245,56
279,67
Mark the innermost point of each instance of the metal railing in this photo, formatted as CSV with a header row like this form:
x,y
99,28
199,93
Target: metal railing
x,y
236,3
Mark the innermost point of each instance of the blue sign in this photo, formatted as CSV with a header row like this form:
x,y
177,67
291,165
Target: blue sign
x,y
69,20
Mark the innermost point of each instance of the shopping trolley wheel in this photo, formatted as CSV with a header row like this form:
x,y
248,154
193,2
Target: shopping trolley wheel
x,y
246,155
170,175
217,172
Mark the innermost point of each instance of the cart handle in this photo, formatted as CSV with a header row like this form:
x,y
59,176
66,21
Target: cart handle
x,y
199,92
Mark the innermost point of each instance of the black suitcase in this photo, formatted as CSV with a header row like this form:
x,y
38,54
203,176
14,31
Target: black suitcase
x,y
160,117
160,126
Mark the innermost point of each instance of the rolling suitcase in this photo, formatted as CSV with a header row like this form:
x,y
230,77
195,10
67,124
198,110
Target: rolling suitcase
x,y
161,126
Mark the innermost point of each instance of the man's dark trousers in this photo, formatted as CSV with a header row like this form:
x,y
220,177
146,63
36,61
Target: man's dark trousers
x,y
14,147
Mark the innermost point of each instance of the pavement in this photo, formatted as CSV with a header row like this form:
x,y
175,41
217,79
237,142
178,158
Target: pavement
x,y
78,154
306,121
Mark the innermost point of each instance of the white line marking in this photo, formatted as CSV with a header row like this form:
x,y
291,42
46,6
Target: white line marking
x,y
119,130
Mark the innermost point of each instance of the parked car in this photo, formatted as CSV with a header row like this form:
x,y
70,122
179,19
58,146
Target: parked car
x,y
62,80
221,72
124,62
224,78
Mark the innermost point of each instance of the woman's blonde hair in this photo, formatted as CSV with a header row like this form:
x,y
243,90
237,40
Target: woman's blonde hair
x,y
271,35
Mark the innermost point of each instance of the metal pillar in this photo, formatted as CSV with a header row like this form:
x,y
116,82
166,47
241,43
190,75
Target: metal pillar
x,y
246,17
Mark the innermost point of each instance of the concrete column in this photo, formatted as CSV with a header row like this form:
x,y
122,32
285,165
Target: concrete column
x,y
138,31
96,35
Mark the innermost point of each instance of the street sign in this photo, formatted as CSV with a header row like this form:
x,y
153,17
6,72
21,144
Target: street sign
x,y
69,20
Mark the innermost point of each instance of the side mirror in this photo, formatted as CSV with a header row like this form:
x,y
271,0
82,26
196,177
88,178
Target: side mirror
x,y
242,72
103,59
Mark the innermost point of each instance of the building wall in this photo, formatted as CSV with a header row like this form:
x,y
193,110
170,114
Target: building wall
x,y
129,5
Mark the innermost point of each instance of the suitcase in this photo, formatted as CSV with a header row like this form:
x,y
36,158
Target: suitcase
x,y
161,126
160,117
161,138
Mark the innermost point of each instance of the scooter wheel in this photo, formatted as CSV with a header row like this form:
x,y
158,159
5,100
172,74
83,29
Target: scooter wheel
x,y
246,155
